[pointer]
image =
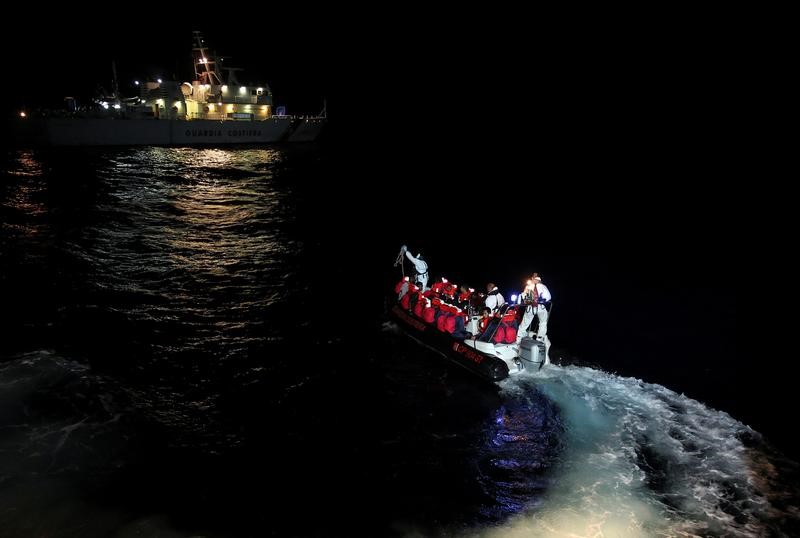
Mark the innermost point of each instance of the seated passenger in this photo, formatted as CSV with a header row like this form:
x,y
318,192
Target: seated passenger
x,y
460,332
402,288
449,291
464,296
490,324
438,287
429,313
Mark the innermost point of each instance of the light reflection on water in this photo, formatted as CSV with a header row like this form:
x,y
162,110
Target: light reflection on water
x,y
201,244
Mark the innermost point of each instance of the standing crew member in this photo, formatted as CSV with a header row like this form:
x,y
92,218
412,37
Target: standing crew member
x,y
420,266
494,299
543,300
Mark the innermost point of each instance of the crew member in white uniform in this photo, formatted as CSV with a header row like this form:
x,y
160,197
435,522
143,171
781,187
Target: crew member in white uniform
x,y
494,299
421,268
542,297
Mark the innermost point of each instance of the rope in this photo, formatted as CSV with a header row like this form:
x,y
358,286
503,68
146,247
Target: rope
x,y
399,261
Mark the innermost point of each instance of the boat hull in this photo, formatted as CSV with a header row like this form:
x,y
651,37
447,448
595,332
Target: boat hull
x,y
485,366
151,132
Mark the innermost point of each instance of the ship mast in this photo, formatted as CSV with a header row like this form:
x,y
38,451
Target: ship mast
x,y
115,82
205,66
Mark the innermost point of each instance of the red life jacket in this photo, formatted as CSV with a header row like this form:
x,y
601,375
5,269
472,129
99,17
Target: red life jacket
x,y
499,335
510,315
511,335
428,314
405,300
449,290
450,324
418,308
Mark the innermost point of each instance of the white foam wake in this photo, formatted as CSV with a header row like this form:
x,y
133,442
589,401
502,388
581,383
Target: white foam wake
x,y
641,460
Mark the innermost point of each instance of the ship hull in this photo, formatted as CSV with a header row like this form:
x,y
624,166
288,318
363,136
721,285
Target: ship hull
x,y
150,132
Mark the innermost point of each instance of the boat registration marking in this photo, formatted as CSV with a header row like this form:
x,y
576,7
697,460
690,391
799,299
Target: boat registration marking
x,y
475,357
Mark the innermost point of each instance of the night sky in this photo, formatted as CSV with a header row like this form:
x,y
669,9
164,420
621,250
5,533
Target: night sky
x,y
79,59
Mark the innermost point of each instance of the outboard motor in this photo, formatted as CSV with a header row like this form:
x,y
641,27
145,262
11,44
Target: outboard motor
x,y
532,352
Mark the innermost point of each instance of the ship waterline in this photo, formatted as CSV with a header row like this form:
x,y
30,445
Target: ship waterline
x,y
132,132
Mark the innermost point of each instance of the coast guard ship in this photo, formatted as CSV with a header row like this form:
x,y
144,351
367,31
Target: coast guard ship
x,y
212,109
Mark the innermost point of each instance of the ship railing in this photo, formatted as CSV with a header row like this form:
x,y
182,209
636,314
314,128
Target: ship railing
x,y
219,116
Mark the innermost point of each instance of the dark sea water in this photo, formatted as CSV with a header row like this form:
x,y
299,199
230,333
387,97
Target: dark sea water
x,y
194,343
